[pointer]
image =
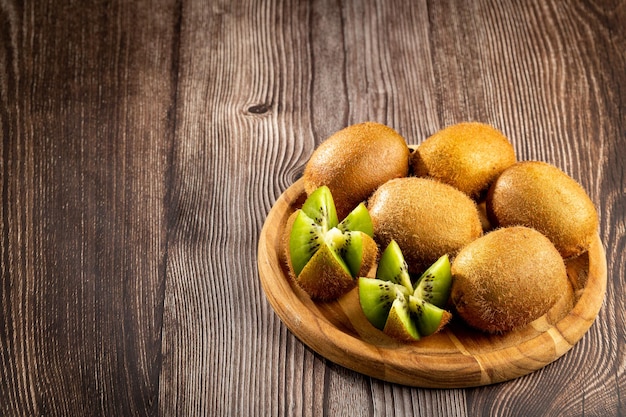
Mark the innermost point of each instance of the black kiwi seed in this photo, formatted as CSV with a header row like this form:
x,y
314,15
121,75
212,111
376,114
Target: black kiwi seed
x,y
419,309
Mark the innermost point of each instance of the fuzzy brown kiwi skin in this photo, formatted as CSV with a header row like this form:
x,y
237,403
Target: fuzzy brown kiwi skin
x,y
354,161
468,156
323,279
285,244
562,307
425,217
508,278
539,195
370,256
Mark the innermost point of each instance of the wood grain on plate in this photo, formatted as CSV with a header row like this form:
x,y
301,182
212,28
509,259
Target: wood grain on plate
x,y
457,357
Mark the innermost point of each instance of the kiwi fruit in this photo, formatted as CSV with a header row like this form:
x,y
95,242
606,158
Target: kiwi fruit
x,y
325,255
539,195
425,217
354,161
376,297
507,278
468,156
400,309
399,324
434,284
392,267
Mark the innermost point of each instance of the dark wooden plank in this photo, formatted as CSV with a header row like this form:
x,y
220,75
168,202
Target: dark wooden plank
x,y
85,89
566,112
261,84
144,143
242,133
254,369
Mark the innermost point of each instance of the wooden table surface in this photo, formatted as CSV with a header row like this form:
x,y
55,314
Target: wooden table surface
x,y
144,143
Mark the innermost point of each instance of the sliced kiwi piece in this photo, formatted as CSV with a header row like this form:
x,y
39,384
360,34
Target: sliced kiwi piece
x,y
304,240
428,317
359,251
400,322
326,275
358,219
391,304
434,284
392,267
324,255
376,297
320,207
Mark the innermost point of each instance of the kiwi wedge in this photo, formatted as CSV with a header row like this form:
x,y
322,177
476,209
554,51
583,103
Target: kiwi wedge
x,y
392,267
539,195
401,309
434,284
508,278
325,255
376,297
469,156
354,161
400,323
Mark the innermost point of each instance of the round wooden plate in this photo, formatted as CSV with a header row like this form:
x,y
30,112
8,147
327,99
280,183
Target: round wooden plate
x,y
454,358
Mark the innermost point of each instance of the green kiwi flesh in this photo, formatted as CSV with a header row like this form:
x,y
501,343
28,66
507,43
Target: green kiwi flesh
x,y
392,267
304,240
434,284
400,323
320,207
358,219
376,297
428,317
324,255
392,305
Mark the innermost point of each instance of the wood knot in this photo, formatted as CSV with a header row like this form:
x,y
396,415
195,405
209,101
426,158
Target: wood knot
x,y
259,108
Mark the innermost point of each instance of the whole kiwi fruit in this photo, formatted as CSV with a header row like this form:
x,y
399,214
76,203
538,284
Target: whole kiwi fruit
x,y
354,161
508,278
427,219
539,195
468,156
